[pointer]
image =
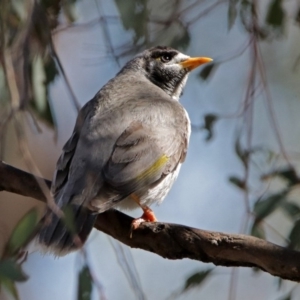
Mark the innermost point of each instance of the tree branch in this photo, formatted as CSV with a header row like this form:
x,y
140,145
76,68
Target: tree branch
x,y
174,241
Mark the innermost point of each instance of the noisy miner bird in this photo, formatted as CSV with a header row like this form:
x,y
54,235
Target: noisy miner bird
x,y
126,149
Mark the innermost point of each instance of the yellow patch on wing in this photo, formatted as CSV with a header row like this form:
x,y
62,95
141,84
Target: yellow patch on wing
x,y
156,166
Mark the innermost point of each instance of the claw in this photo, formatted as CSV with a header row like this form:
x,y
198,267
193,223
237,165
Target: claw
x,y
148,216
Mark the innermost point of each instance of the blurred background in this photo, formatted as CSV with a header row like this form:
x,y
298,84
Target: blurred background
x,y
241,172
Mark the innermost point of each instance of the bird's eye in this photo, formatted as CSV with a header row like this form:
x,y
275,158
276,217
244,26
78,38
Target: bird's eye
x,y
165,58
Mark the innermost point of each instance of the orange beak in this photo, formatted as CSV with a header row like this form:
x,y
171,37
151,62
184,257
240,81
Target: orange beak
x,y
194,62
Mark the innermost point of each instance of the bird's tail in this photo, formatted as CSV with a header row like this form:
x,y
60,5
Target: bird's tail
x,y
60,235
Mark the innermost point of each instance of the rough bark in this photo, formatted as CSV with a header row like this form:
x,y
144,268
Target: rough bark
x,y
175,241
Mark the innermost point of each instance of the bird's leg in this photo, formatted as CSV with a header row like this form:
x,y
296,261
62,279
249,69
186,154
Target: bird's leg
x,y
147,216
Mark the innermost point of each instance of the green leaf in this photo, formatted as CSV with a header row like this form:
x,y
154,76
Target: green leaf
x,y
294,236
23,231
85,284
275,15
240,183
288,174
9,269
265,207
38,79
10,286
196,279
232,12
243,154
208,70
43,74
134,16
258,230
209,122
4,95
50,70
181,41
291,208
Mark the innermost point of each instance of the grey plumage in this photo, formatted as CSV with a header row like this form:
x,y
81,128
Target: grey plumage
x,y
131,138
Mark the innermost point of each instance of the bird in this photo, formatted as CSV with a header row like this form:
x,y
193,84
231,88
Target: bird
x,y
126,149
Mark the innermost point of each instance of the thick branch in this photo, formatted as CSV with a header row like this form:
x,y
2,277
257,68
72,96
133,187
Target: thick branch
x,y
174,241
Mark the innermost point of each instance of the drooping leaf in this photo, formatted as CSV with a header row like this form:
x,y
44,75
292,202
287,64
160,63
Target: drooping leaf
x,y
232,12
243,154
265,207
44,72
240,183
50,70
4,95
38,83
209,122
208,70
10,286
85,284
258,230
45,115
292,209
196,279
294,236
9,269
288,174
181,41
23,231
256,270
275,15
134,16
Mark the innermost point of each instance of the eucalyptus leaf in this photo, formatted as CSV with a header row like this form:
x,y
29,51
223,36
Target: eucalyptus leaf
x,y
181,41
38,83
292,209
196,279
240,183
134,16
23,231
258,230
43,74
85,284
9,269
294,236
288,174
10,286
243,154
265,207
209,122
232,12
275,15
208,70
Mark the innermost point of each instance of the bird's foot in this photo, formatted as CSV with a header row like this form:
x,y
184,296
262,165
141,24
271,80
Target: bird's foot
x,y
148,216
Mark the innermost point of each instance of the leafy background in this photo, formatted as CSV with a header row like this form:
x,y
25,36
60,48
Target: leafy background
x,y
241,173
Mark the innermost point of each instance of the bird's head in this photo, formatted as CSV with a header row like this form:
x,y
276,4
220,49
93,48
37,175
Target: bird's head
x,y
166,68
